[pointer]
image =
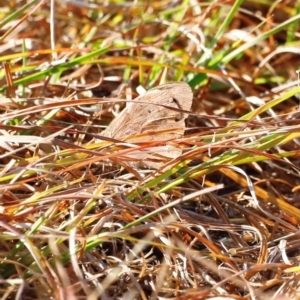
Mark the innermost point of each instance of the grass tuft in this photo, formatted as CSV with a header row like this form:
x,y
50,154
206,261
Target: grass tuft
x,y
79,220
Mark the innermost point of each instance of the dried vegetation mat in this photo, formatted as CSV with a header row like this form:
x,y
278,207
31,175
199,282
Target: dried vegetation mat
x,y
80,220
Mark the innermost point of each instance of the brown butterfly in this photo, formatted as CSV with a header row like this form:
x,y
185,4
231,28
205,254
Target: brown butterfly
x,y
149,118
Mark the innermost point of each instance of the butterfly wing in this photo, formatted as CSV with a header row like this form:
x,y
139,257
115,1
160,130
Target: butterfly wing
x,y
149,112
149,118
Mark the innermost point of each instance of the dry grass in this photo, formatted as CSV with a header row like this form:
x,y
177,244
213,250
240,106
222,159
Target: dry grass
x,y
220,222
